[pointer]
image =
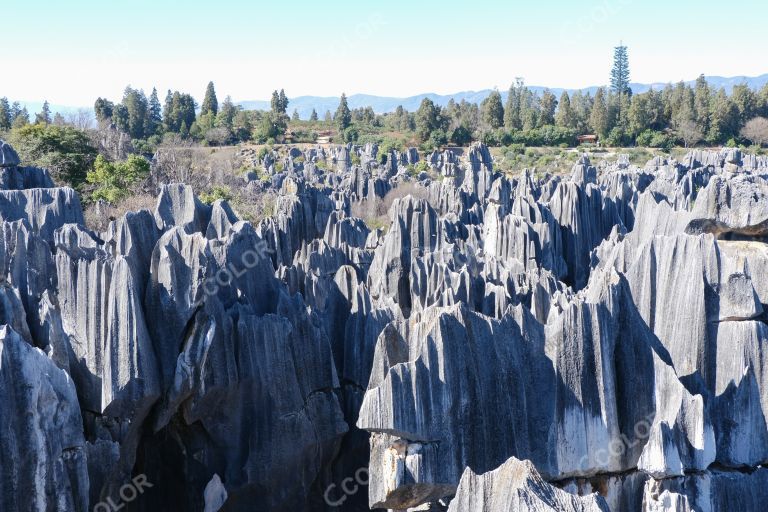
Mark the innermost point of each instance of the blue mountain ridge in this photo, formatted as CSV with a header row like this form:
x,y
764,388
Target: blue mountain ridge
x,y
385,104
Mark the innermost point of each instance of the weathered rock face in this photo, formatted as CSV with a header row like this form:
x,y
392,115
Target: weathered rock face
x,y
735,206
441,439
42,450
45,209
591,342
516,485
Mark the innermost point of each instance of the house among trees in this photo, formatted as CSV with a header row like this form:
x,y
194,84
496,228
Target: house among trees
x,y
587,139
324,137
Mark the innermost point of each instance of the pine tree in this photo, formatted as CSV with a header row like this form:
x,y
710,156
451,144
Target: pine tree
x,y
328,118
227,114
154,116
762,98
135,101
529,109
20,116
493,111
103,109
724,119
581,104
547,106
598,120
15,110
343,116
638,117
283,101
702,97
565,117
44,117
120,118
5,114
428,119
620,71
295,115
313,115
745,100
168,121
210,103
512,118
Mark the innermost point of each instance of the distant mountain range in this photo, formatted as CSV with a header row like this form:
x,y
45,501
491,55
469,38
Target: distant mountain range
x,y
384,104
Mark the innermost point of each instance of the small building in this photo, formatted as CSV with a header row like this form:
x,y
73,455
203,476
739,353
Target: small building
x,y
324,137
587,139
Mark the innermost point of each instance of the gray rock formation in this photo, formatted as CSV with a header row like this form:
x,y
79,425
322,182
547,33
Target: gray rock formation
x,y
8,156
581,343
42,450
45,209
517,486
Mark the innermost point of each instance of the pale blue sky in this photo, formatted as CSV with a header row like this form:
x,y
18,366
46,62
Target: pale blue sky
x,y
71,52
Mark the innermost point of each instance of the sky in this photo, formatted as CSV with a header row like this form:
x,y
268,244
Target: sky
x,y
72,52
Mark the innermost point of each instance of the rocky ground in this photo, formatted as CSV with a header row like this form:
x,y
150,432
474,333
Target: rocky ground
x,y
530,343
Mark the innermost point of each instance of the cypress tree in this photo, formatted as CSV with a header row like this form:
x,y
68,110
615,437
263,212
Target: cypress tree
x,y
44,117
547,106
154,115
168,119
493,110
343,116
512,118
598,120
565,117
210,103
5,114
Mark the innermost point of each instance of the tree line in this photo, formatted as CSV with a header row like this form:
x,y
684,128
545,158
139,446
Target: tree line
x,y
679,114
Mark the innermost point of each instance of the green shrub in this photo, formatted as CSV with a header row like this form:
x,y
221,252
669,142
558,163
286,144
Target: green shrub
x,y
461,136
654,139
113,181
65,151
217,192
617,138
351,134
421,166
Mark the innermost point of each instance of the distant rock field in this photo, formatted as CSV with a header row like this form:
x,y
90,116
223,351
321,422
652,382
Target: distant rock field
x,y
497,343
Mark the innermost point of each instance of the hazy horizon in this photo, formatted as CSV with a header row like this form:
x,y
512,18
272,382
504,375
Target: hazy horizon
x,y
85,49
